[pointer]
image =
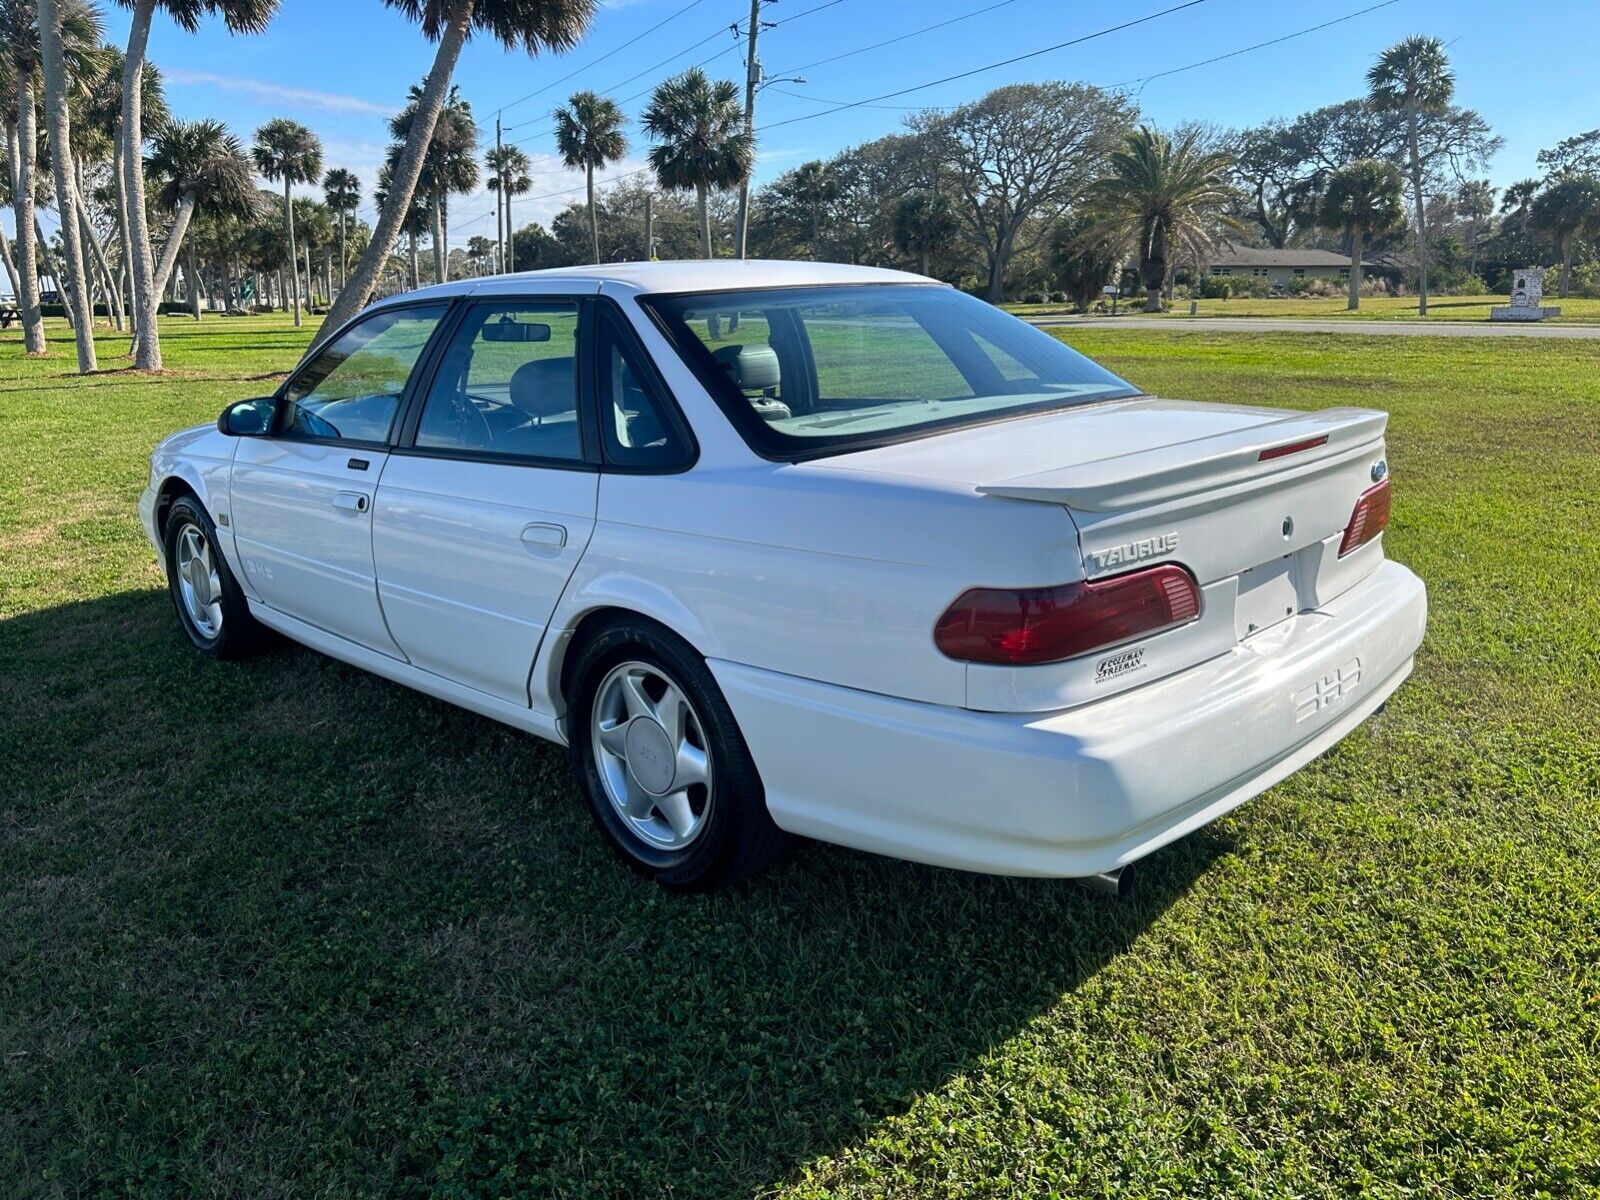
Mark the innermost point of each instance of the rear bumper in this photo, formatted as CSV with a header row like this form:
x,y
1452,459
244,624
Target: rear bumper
x,y
1091,788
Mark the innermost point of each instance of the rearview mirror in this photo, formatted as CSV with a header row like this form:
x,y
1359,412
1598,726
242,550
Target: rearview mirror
x,y
249,418
508,330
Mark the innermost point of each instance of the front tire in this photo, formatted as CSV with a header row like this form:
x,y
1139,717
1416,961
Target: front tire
x,y
665,770
212,610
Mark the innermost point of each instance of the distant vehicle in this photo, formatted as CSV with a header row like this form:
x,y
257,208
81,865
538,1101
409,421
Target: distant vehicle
x,y
812,549
50,297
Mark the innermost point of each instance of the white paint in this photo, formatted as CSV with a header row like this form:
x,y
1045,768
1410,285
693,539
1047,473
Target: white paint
x,y
812,589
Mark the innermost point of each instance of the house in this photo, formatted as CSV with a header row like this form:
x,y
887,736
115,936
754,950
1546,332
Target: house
x,y
1281,267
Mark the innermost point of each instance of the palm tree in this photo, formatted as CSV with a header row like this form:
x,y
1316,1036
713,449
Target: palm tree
x,y
450,165
1167,196
200,167
289,151
1566,210
814,187
702,143
532,24
342,190
240,16
102,111
923,221
589,136
20,66
414,224
63,23
1362,200
1475,203
1414,76
510,174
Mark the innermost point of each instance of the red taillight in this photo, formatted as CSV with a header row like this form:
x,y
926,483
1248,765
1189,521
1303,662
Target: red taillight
x,y
1043,625
1367,521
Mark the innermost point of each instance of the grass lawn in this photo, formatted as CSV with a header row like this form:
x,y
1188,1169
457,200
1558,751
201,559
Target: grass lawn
x,y
1574,311
281,929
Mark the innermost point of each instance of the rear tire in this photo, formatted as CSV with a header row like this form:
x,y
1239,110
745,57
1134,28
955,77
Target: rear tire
x,y
666,772
212,610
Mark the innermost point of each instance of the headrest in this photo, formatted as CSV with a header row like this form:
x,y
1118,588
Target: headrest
x,y
752,368
543,387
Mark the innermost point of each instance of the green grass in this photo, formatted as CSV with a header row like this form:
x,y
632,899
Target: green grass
x,y
1574,311
282,929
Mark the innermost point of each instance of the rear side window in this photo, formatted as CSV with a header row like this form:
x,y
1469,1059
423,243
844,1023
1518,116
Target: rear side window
x,y
812,370
637,421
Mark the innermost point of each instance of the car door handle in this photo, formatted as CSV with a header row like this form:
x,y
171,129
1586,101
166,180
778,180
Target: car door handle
x,y
355,502
551,537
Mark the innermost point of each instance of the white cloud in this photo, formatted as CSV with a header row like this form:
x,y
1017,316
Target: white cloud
x,y
290,96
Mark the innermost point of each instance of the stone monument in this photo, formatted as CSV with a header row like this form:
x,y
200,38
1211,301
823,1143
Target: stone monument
x,y
1527,298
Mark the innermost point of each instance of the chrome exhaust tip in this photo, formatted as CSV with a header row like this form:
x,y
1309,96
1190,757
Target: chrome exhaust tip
x,y
1110,883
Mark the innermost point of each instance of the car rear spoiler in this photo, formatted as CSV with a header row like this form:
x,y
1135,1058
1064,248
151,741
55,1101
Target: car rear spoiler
x,y
1173,472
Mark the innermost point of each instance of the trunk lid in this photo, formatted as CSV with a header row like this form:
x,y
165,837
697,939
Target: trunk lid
x,y
1252,501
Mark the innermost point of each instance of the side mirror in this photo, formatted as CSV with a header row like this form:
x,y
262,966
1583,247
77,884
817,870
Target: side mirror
x,y
249,418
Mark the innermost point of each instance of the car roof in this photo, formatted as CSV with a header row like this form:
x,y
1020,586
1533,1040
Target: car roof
x,y
679,275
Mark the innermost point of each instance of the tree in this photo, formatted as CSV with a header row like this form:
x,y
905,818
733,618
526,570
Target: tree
x,y
342,190
1018,156
199,167
1362,201
1164,196
1474,201
20,66
449,165
287,150
532,24
64,23
1578,155
1083,257
510,174
102,113
701,142
1414,77
240,16
815,186
589,137
413,225
923,223
1567,209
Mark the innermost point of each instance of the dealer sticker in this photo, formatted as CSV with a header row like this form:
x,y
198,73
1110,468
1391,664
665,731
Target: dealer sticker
x,y
1119,664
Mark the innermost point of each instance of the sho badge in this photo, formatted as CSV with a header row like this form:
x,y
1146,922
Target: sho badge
x,y
1119,664
1132,552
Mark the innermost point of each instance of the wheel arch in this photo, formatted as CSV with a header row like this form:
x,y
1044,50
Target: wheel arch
x,y
585,620
172,487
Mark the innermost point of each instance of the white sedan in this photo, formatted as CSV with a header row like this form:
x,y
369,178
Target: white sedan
x,y
793,548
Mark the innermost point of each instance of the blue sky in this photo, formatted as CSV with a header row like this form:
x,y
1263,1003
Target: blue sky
x,y
342,66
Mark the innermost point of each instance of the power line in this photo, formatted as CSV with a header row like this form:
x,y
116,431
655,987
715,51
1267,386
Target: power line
x,y
891,41
1206,62
1006,62
595,62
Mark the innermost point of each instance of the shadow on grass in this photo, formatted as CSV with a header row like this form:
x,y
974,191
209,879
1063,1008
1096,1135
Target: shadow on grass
x,y
280,927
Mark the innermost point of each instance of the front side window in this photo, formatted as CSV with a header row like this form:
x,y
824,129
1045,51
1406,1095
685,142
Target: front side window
x,y
507,386
351,390
803,371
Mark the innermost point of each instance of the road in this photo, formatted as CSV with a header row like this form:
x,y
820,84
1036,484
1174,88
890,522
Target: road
x,y
1289,325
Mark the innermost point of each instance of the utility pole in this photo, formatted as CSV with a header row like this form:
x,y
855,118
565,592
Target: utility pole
x,y
649,227
752,78
500,221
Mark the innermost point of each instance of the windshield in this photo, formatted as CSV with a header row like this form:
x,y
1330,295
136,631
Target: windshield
x,y
803,371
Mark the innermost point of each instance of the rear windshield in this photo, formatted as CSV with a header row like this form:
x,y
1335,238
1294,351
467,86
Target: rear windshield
x,y
805,371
